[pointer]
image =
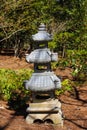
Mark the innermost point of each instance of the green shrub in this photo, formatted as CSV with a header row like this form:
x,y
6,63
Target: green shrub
x,y
78,61
66,86
11,82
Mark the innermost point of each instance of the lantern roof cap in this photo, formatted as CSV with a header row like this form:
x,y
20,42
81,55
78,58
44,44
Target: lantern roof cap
x,y
42,34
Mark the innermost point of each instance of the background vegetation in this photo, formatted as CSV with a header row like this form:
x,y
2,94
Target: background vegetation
x,y
65,20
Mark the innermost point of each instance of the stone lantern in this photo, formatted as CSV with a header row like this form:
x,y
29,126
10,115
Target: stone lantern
x,y
43,82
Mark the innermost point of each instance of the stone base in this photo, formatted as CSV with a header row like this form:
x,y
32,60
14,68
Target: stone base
x,y
50,118
48,111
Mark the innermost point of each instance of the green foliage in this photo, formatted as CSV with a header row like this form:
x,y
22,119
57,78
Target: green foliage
x,y
52,45
54,65
11,82
66,86
66,20
78,61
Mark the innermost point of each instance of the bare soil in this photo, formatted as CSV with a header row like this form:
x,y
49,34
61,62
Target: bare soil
x,y
74,104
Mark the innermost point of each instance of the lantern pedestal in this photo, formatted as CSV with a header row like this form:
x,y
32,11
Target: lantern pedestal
x,y
48,111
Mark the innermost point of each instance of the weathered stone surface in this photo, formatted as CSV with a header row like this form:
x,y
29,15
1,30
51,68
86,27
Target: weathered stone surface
x,y
42,34
54,117
44,108
51,105
41,56
45,81
48,110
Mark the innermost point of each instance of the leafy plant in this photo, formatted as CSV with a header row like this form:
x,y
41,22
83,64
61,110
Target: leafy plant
x,y
65,20
78,61
66,86
12,82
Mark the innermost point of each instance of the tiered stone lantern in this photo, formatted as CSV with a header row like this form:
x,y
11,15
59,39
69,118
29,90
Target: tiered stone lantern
x,y
43,82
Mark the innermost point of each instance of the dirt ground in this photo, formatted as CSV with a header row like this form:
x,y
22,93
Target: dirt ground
x,y
74,105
